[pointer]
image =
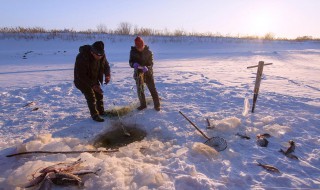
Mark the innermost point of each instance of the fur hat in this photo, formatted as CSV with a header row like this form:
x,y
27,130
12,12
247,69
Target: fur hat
x,y
139,43
98,48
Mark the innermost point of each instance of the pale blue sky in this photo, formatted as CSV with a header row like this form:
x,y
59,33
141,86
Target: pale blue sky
x,y
284,18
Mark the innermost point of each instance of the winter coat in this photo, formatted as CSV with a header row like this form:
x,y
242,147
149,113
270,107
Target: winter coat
x,y
83,69
144,58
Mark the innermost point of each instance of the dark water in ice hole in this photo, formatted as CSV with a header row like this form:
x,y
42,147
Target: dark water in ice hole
x,y
116,138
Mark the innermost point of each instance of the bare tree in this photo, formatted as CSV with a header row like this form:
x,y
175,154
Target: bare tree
x,y
179,32
124,28
102,28
304,38
269,36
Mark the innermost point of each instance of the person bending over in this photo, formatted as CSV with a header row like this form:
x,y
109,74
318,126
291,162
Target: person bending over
x,y
90,67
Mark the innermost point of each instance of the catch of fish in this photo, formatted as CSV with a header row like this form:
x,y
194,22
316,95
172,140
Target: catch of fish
x,y
243,136
263,142
290,150
262,139
64,174
269,167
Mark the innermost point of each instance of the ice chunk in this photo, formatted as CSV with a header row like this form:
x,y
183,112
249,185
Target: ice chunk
x,y
276,130
227,124
33,145
45,138
267,120
246,107
148,175
205,150
181,151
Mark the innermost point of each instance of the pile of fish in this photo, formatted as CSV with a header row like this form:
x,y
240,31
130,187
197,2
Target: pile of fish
x,y
287,153
63,174
261,140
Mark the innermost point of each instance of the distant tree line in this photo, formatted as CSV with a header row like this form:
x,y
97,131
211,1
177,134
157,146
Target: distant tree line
x,y
125,28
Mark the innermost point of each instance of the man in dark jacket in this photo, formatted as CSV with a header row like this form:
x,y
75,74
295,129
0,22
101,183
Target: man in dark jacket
x,y
91,64
141,59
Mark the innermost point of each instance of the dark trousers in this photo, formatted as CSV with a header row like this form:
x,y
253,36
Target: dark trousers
x,y
147,78
94,100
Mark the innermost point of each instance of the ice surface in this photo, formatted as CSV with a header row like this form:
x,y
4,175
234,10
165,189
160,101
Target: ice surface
x,y
202,78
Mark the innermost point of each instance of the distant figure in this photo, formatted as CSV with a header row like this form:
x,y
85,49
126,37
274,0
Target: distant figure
x,y
141,59
91,64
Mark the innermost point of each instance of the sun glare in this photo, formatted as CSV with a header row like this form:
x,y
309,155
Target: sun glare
x,y
261,24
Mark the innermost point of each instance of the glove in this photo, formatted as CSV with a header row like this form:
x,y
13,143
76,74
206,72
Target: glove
x,y
145,69
107,79
136,65
97,89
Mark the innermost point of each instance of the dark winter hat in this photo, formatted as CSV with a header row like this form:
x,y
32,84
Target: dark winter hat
x,y
98,48
139,43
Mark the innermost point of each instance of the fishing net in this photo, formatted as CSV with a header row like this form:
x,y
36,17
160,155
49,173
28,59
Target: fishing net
x,y
218,143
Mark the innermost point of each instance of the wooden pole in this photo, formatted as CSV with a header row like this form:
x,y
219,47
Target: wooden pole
x,y
257,85
63,152
258,81
204,135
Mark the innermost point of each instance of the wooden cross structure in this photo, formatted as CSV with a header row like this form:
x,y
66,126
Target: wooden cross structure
x,y
258,81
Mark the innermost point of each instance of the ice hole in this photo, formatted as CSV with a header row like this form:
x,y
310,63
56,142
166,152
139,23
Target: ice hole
x,y
116,138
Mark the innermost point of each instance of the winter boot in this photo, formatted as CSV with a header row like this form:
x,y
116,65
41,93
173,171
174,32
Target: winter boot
x,y
141,107
157,108
97,118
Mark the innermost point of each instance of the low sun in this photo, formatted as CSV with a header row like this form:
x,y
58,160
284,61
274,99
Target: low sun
x,y
261,24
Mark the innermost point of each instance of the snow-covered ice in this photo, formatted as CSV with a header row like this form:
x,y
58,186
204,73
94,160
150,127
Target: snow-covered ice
x,y
204,78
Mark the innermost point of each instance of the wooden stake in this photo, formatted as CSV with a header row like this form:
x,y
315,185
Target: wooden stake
x,y
258,81
258,65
